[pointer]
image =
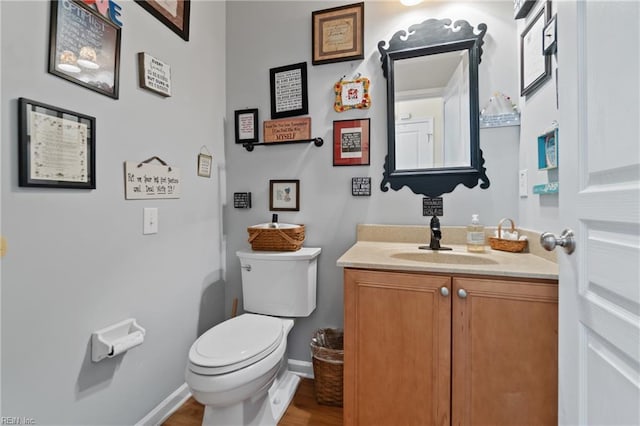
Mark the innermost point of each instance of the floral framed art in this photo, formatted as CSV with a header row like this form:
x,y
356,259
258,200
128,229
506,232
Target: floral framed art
x,y
57,147
284,195
352,94
351,142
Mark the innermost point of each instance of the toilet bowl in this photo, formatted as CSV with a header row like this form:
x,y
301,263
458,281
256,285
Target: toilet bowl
x,y
234,366
238,369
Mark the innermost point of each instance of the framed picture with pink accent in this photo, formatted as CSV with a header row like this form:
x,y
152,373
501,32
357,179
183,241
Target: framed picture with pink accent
x,y
351,142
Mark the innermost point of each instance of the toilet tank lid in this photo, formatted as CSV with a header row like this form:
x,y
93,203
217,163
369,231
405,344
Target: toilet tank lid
x,y
305,253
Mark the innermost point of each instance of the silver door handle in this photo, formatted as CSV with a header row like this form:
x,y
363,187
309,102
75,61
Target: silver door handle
x,y
462,294
566,241
444,291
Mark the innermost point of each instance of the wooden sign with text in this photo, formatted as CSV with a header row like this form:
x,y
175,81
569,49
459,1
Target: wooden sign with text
x,y
143,181
290,129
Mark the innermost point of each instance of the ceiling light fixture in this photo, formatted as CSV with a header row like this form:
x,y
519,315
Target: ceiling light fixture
x,y
410,2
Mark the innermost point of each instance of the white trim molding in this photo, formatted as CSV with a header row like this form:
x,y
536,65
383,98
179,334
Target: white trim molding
x,y
167,407
301,368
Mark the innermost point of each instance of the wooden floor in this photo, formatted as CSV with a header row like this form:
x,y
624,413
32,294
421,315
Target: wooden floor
x,y
303,411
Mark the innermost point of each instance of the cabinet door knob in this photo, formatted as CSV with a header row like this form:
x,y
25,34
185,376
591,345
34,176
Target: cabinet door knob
x,y
444,291
462,294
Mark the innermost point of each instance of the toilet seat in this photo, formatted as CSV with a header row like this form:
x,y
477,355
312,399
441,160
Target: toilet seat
x,y
235,343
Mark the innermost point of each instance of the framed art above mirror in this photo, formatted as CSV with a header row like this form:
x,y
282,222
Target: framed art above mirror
x,y
432,107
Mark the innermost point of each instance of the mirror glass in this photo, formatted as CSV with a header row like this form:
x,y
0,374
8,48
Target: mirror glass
x,y
432,107
432,111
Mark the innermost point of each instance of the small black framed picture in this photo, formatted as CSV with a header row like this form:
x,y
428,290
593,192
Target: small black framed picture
x,y
246,125
535,67
57,147
550,36
289,91
284,195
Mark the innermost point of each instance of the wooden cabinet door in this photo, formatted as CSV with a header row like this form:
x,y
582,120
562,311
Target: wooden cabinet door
x,y
397,342
505,348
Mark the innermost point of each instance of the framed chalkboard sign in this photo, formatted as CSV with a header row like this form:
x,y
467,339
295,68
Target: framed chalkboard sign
x,y
84,47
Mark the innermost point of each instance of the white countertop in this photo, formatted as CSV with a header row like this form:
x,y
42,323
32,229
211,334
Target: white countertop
x,y
405,256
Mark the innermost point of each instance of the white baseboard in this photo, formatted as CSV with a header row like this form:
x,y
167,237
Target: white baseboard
x,y
171,403
301,368
167,407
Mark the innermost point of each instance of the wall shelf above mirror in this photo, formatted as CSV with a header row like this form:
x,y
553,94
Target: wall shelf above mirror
x,y
432,107
249,146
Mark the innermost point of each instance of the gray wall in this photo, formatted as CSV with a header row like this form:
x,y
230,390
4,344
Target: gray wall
x,y
327,208
77,259
539,110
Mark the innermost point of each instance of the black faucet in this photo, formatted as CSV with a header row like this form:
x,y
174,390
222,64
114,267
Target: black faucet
x,y
436,236
436,233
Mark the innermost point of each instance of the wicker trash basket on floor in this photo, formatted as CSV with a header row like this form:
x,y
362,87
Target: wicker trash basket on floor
x,y
327,351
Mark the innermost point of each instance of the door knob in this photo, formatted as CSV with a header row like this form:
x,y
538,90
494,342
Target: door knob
x,y
566,240
444,291
462,294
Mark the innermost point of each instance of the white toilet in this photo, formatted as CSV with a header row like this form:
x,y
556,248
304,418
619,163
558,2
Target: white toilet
x,y
238,369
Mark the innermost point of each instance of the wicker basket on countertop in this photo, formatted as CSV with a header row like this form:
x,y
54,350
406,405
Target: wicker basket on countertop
x,y
285,237
514,246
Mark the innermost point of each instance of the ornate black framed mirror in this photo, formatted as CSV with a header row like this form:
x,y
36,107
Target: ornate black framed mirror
x,y
433,127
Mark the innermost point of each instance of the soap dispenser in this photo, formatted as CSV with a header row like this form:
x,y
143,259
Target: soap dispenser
x,y
475,235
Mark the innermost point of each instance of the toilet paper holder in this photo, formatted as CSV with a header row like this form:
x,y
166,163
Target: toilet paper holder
x,y
118,338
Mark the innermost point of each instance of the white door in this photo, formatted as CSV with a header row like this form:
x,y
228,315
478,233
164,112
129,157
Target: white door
x,y
599,150
414,144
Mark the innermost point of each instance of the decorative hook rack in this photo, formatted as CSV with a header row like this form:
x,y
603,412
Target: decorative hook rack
x,y
249,145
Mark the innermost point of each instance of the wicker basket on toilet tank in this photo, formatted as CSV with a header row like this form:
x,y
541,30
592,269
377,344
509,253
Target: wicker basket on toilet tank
x,y
284,237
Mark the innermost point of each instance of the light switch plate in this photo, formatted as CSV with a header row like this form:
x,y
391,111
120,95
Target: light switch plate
x,y
150,221
523,183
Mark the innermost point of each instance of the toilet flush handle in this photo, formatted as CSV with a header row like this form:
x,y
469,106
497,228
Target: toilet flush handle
x,y
247,267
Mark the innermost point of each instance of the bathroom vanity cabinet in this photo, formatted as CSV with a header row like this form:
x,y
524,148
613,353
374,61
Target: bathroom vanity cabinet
x,y
438,349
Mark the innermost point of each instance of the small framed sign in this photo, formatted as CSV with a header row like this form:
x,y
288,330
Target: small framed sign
x,y
432,206
154,74
361,186
351,142
242,200
204,165
288,129
549,37
289,91
247,125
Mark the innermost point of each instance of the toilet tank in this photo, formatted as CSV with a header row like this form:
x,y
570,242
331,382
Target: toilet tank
x,y
279,283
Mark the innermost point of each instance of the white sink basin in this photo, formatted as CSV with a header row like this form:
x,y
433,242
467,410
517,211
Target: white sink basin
x,y
447,257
